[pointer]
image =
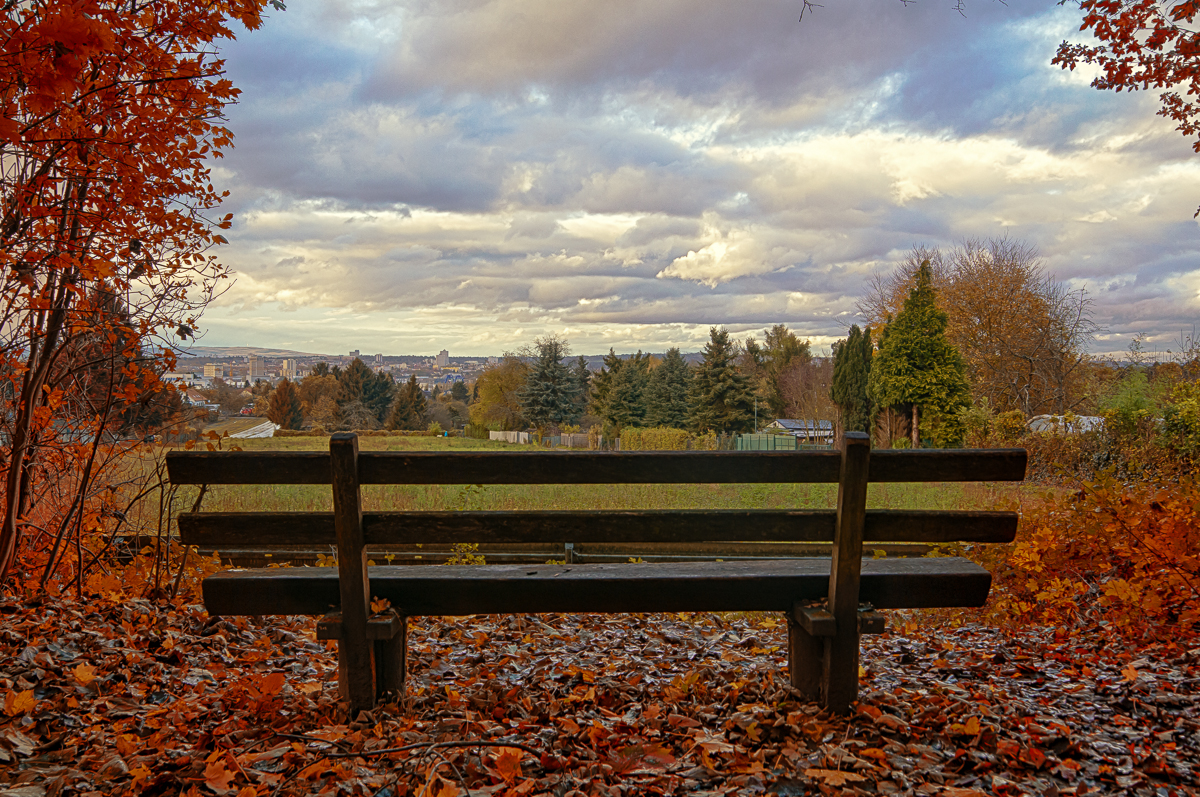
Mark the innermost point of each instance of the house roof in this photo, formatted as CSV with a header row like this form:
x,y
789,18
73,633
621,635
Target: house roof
x,y
793,425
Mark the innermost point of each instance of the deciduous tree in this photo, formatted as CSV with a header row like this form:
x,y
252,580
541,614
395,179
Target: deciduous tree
x,y
499,406
283,406
769,364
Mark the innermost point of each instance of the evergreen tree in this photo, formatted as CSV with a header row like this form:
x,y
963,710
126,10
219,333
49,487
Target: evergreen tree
x,y
780,351
602,383
667,392
583,383
378,394
409,408
284,406
320,369
917,368
851,370
626,405
549,395
352,383
475,392
458,392
721,399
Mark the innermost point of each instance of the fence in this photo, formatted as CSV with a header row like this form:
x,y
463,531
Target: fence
x,y
776,442
511,437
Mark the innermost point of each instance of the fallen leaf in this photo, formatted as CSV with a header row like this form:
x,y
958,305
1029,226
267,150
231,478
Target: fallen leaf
x,y
217,777
84,674
508,765
834,777
19,702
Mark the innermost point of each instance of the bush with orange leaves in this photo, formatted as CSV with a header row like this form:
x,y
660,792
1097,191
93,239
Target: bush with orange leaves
x,y
1125,557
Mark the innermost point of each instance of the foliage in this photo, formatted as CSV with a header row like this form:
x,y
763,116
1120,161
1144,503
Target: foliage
x,y
466,553
458,392
770,364
1143,45
436,428
720,397
667,392
626,405
1124,554
1023,337
499,403
601,383
583,384
364,397
851,371
917,366
408,410
655,439
284,408
1181,420
549,395
108,121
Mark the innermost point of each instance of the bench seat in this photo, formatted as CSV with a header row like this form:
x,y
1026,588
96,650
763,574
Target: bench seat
x,y
762,585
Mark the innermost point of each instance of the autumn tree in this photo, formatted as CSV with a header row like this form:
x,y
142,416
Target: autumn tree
x,y
549,395
851,372
1023,336
318,397
667,392
919,370
773,364
499,405
108,119
409,409
283,406
721,399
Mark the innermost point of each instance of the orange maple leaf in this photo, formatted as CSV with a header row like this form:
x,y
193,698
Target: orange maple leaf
x,y
19,702
84,674
272,684
833,777
217,777
508,765
1130,673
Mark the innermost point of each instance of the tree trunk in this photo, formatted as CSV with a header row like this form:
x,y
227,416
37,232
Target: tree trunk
x,y
916,429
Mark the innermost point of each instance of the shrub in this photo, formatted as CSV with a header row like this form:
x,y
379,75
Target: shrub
x,y
659,439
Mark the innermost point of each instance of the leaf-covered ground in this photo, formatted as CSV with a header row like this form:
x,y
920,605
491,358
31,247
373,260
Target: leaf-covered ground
x,y
132,697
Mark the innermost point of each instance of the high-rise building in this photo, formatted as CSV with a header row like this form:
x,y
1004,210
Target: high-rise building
x,y
289,369
214,371
378,359
355,353
443,358
256,369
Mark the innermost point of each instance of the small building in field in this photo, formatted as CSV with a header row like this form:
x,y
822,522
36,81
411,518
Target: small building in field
x,y
810,431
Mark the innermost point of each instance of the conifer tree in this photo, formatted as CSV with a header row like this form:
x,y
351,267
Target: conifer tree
x,y
721,399
770,363
851,370
284,406
667,392
409,408
583,383
918,368
458,392
602,382
550,393
626,405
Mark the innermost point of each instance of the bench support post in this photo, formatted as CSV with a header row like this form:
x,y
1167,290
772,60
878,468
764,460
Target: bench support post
x,y
839,677
806,655
356,666
390,657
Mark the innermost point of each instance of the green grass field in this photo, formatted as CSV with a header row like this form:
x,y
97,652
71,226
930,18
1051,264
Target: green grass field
x,y
297,498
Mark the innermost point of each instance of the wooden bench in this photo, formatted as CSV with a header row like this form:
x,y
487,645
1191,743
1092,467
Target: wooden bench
x,y
829,601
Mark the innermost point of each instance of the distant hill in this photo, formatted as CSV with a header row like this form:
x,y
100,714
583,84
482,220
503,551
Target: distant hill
x,y
242,351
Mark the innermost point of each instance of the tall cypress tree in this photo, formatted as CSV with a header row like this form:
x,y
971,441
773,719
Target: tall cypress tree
x,y
550,392
851,370
667,392
409,408
918,369
721,399
283,406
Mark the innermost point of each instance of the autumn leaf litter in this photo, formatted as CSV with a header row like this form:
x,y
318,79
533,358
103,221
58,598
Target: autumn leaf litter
x,y
133,697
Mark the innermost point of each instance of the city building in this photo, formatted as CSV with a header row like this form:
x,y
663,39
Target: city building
x,y
214,371
354,353
378,359
256,367
443,358
289,369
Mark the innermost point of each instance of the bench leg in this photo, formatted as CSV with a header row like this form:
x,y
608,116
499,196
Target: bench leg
x,y
805,660
353,684
839,677
390,657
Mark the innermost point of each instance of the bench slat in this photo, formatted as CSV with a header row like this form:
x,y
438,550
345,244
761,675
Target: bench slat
x,y
515,589
730,525
554,467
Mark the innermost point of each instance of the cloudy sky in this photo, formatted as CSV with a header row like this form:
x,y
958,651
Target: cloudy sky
x,y
471,174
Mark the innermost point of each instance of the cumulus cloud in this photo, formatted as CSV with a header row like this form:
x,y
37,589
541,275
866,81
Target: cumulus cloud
x,y
473,173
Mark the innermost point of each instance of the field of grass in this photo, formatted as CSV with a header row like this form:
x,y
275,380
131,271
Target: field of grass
x,y
297,498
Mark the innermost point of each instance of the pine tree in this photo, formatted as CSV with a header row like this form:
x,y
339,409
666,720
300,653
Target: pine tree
x,y
918,368
721,399
780,351
409,408
626,405
284,406
458,392
602,383
667,392
851,370
549,395
378,394
583,383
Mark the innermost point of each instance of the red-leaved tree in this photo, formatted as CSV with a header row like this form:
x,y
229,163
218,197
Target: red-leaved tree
x,y
109,113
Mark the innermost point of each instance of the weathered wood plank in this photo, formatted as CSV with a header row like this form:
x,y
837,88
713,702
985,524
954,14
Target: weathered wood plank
x,y
264,529
839,676
674,587
356,651
634,467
